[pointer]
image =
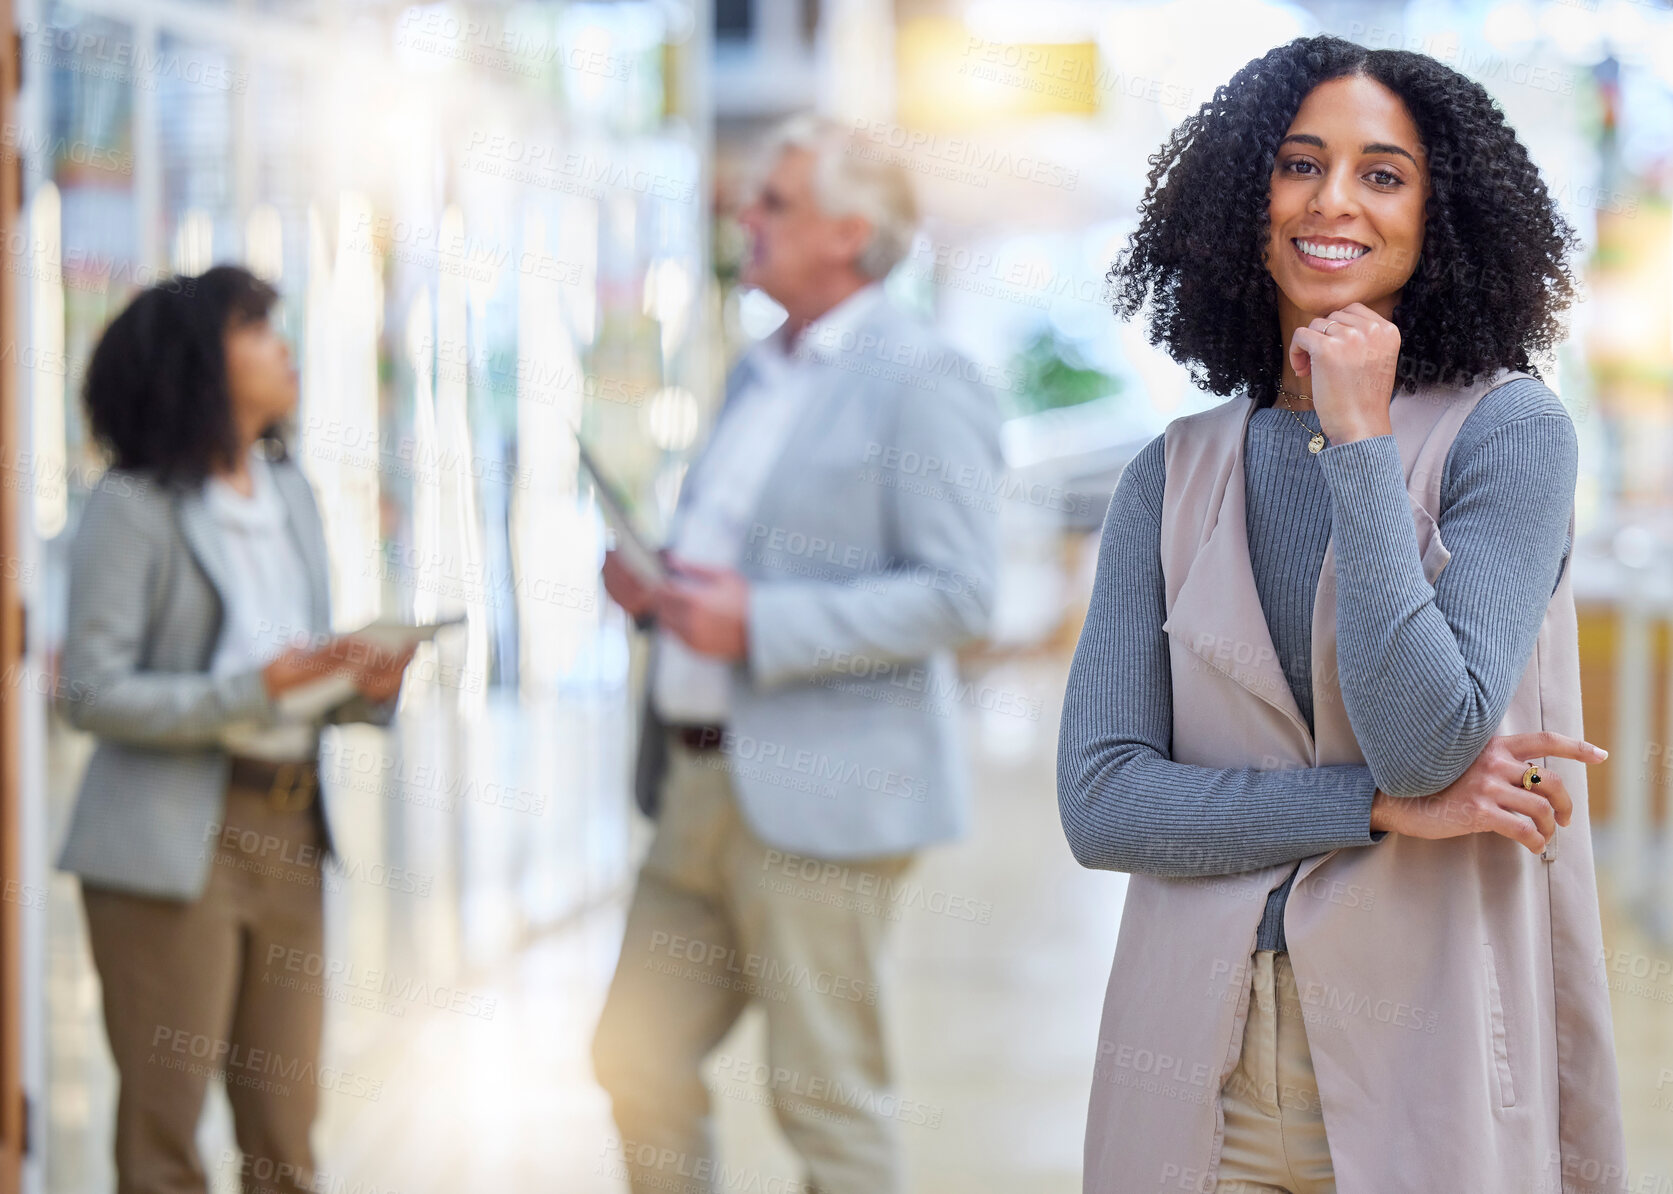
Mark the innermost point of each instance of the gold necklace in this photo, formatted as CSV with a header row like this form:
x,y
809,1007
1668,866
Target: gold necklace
x,y
1315,439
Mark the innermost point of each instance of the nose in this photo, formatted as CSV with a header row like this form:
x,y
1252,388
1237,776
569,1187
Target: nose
x,y
1334,194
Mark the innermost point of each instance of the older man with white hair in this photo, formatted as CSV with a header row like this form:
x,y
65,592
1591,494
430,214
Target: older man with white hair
x,y
834,542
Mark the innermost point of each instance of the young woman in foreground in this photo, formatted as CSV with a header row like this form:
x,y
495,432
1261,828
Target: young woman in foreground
x,y
1326,705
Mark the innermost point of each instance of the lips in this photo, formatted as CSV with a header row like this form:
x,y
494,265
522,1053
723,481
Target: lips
x,y
1328,253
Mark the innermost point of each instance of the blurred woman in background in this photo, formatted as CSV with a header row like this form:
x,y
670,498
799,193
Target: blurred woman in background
x,y
198,597
1331,634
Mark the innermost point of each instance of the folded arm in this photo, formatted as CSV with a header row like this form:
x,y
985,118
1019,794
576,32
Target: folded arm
x,y
1127,806
1427,672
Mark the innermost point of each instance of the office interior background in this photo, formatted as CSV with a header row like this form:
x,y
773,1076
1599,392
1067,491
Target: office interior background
x,y
493,223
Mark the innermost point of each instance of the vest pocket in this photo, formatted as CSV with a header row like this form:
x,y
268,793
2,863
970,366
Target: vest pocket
x,y
1496,1016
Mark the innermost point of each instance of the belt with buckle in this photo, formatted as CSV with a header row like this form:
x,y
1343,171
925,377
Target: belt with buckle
x,y
703,738
290,787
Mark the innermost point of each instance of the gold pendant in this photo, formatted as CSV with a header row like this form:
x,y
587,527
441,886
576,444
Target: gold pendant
x,y
1316,444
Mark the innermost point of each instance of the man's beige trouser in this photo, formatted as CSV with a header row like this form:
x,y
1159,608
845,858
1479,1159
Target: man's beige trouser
x,y
719,919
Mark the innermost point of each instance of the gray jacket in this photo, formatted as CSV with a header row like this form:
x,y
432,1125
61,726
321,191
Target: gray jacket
x,y
873,553
146,577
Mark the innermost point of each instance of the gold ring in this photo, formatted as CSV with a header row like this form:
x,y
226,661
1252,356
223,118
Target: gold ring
x,y
1530,777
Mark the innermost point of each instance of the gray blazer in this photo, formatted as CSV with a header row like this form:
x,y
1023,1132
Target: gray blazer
x,y
873,554
146,577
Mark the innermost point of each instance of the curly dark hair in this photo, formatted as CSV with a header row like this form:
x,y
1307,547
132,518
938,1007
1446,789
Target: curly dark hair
x,y
1488,289
156,388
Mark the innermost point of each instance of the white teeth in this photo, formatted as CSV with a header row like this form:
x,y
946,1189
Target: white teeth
x,y
1332,252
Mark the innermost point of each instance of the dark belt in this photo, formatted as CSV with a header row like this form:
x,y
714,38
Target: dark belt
x,y
700,737
289,787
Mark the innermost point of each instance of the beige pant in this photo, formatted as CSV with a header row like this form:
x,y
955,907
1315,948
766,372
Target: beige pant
x,y
1275,1137
718,919
197,988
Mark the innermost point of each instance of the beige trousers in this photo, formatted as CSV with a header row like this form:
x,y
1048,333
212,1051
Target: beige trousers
x,y
719,919
1275,1137
195,989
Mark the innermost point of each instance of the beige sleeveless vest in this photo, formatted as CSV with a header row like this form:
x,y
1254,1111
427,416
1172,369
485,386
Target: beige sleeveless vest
x,y
1454,992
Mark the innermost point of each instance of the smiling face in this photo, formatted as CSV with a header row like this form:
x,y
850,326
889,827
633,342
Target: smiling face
x,y
1347,201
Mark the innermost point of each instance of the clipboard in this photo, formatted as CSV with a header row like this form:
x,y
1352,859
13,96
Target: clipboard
x,y
313,700
635,548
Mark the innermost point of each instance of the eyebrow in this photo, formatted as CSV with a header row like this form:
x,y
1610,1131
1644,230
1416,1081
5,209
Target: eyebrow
x,y
1368,147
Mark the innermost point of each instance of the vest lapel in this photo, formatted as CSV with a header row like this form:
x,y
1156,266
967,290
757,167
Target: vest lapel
x,y
1424,424
1333,733
1217,613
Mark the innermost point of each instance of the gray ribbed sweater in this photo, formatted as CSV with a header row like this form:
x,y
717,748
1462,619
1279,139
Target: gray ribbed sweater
x,y
1426,672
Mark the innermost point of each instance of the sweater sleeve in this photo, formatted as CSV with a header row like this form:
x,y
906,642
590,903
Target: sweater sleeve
x,y
1125,805
1427,672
